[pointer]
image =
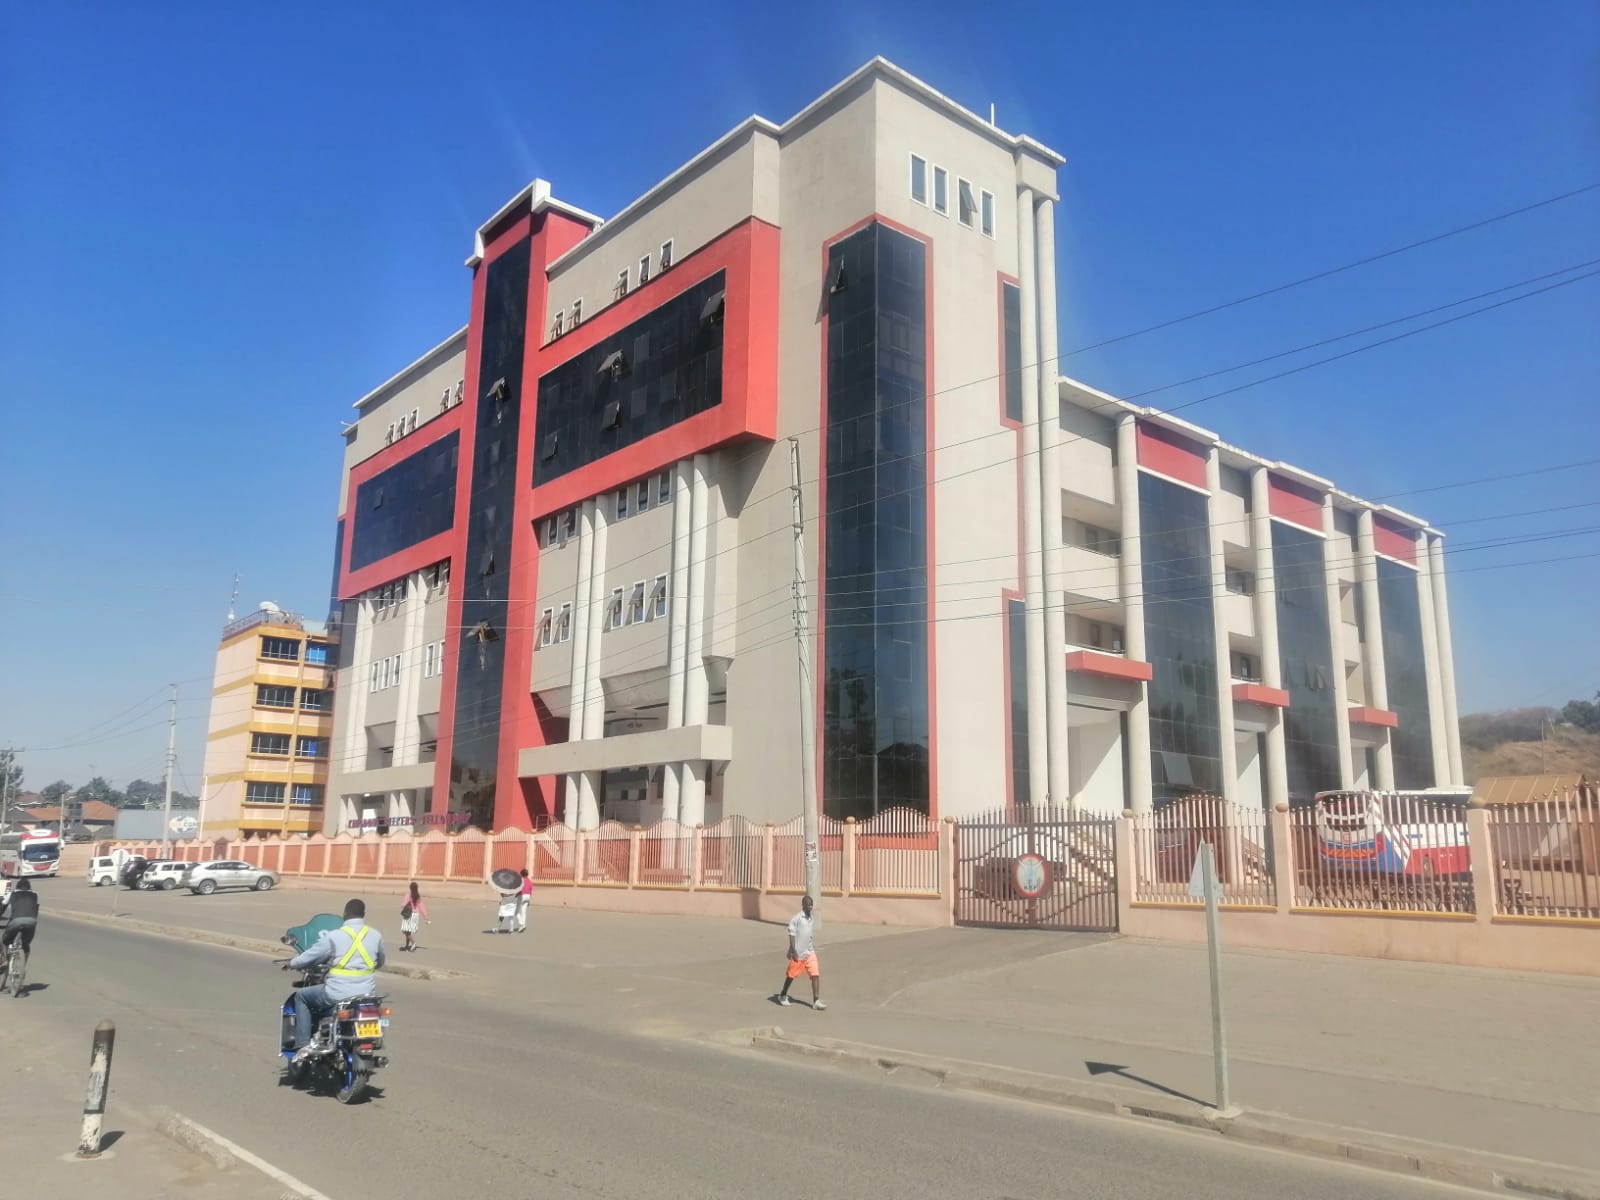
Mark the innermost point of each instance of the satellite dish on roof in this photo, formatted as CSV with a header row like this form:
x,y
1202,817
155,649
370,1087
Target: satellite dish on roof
x,y
268,606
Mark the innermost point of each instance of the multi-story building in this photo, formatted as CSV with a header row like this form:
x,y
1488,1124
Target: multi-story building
x,y
1021,590
271,727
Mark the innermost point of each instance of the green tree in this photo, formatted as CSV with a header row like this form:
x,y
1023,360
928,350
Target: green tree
x,y
99,789
52,793
1585,714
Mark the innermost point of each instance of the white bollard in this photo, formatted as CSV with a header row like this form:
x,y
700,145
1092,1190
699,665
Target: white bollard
x,y
94,1105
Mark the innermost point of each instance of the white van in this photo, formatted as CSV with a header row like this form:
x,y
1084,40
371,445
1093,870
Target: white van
x,y
106,869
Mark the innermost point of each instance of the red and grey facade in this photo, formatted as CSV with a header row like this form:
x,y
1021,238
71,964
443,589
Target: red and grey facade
x,y
565,533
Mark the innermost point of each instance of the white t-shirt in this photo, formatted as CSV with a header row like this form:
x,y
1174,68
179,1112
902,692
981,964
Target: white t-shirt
x,y
803,932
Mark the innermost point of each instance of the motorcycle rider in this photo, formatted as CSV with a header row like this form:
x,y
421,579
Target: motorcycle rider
x,y
23,909
355,953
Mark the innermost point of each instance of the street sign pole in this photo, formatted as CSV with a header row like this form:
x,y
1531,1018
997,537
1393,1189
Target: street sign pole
x,y
1204,881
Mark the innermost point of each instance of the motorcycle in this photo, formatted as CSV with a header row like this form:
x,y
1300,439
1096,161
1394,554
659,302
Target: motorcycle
x,y
347,1043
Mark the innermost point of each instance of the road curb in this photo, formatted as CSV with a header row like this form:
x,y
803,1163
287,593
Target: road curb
x,y
1396,1155
225,1155
234,942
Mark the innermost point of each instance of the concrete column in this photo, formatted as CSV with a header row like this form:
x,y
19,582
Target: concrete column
x,y
407,742
594,690
1439,739
692,805
1372,642
1447,661
1341,688
1275,771
1037,657
677,629
1131,578
580,650
1055,575
1219,627
349,750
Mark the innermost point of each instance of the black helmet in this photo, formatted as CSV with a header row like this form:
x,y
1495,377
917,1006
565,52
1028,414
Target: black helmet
x,y
24,886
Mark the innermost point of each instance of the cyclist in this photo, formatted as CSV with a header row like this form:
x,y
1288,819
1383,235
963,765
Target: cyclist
x,y
23,909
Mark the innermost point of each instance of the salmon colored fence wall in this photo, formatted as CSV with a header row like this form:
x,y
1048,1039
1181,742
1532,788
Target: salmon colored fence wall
x,y
896,854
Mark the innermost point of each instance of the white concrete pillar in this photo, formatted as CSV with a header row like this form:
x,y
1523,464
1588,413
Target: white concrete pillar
x,y
407,739
1049,477
1227,746
1037,658
1372,642
1131,578
1447,660
594,688
1275,774
677,629
577,675
349,751
1437,736
696,689
1341,686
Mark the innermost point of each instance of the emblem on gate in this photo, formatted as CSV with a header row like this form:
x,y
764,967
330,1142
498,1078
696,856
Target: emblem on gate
x,y
1030,876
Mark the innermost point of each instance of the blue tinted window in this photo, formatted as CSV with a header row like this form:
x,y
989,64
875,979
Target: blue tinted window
x,y
1400,613
317,653
1185,725
1011,303
648,376
875,735
483,578
1305,646
405,504
1017,651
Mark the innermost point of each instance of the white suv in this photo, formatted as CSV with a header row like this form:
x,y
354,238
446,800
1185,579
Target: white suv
x,y
103,870
164,875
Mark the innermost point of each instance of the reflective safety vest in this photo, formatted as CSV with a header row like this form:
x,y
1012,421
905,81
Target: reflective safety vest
x,y
343,967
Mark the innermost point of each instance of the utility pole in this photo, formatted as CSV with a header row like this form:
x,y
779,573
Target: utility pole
x,y
172,762
808,700
5,788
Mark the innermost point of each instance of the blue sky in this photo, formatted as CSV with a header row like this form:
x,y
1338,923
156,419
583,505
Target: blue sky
x,y
220,225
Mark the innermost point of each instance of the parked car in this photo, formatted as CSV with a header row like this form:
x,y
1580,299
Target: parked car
x,y
207,877
102,870
165,875
133,870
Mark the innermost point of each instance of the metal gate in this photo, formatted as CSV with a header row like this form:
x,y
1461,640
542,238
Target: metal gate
x,y
1036,869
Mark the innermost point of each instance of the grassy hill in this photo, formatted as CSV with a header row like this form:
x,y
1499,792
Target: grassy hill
x,y
1565,750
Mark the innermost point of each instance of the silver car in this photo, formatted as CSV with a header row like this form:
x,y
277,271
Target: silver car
x,y
205,878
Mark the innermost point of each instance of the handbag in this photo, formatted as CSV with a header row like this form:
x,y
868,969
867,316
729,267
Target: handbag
x,y
405,913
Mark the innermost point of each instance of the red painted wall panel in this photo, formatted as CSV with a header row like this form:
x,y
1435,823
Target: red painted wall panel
x,y
1171,454
1295,503
1395,540
749,409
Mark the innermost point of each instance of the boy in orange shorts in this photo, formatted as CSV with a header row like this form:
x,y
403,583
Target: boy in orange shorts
x,y
803,955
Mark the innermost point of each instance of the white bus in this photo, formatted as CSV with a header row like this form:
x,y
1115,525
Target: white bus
x,y
28,853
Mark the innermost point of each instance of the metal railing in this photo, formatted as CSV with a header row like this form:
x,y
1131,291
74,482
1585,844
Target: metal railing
x,y
896,854
1546,855
1166,846
1382,851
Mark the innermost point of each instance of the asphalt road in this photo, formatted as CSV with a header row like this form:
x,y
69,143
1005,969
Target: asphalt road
x,y
489,1097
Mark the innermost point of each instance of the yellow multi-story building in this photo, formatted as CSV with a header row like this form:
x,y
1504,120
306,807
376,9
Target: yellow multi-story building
x,y
271,724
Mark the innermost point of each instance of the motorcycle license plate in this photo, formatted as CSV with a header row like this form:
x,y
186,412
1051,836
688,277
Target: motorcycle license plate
x,y
369,1029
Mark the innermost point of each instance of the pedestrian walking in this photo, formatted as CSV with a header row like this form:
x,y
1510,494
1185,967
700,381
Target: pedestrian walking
x,y
524,900
803,955
412,914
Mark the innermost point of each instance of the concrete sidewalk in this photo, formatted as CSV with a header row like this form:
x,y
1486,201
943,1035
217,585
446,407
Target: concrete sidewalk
x,y
1500,1062
41,1102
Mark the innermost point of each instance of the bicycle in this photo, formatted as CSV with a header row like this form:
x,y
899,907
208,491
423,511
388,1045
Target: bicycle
x,y
13,969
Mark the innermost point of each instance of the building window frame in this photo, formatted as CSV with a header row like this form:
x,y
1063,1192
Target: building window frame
x,y
919,180
564,622
941,191
986,213
636,603
278,689
966,203
644,270
261,791
265,745
614,610
658,598
279,649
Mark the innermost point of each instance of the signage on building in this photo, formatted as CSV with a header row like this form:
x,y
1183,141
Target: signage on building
x,y
184,826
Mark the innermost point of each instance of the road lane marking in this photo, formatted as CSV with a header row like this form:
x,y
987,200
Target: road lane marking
x,y
207,1141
